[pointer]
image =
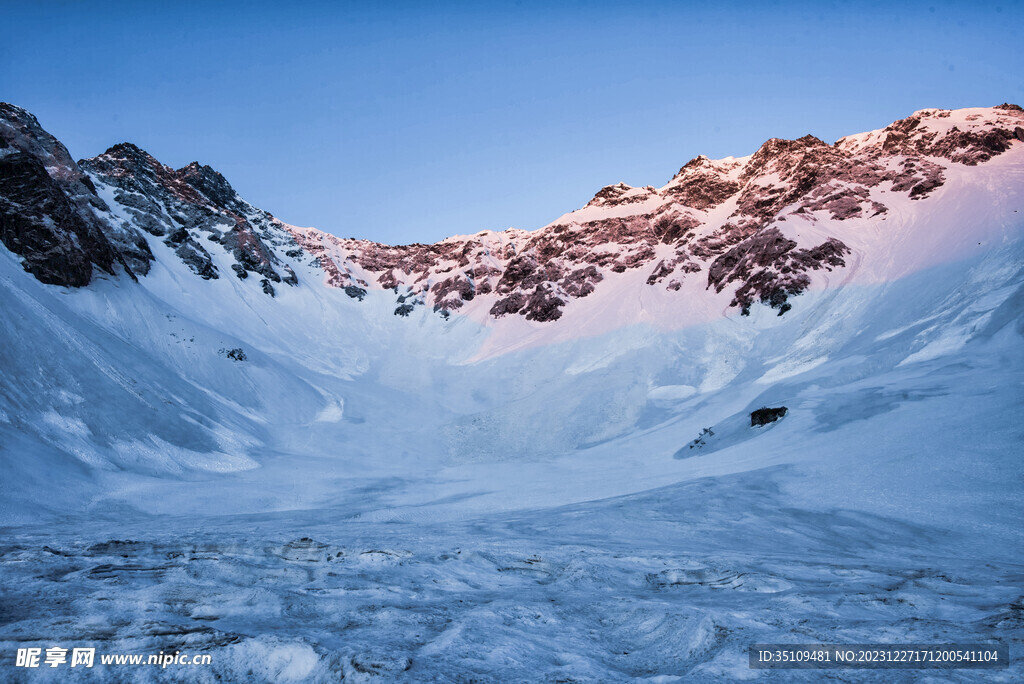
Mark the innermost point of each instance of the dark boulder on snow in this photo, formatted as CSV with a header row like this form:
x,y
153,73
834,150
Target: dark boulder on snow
x,y
236,354
765,415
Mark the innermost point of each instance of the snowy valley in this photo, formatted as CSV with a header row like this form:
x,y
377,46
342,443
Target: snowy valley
x,y
518,455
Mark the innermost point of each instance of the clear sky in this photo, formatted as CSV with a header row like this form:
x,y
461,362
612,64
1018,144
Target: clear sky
x,y
404,122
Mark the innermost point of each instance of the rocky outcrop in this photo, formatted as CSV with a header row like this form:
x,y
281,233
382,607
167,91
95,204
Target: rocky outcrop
x,y
703,184
53,216
50,214
191,205
765,415
770,269
913,137
620,194
193,254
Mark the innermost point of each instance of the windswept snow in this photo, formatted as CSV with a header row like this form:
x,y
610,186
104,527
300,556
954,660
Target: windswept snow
x,y
386,498
520,517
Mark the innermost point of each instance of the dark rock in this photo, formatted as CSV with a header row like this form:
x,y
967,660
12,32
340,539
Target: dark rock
x,y
145,212
177,237
250,251
971,147
236,354
355,292
268,288
674,227
701,440
543,306
581,282
765,415
459,286
48,208
922,189
509,305
614,195
701,186
212,185
517,273
39,224
404,310
133,248
198,260
770,269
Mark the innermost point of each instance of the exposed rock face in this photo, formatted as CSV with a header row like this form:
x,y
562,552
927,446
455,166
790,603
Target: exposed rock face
x,y
727,218
191,203
704,184
50,214
53,216
771,269
730,226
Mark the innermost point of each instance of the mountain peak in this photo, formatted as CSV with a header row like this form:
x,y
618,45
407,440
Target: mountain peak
x,y
774,148
12,112
127,150
620,193
209,182
126,159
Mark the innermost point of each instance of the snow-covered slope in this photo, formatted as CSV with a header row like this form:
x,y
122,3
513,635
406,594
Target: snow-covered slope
x,y
245,451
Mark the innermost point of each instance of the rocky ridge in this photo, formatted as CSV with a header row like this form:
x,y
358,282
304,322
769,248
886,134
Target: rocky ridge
x,y
722,223
192,205
54,216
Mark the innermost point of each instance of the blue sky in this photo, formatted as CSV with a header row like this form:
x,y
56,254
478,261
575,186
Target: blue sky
x,y
405,122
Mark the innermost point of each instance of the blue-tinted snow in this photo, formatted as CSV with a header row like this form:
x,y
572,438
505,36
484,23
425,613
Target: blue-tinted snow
x,y
355,498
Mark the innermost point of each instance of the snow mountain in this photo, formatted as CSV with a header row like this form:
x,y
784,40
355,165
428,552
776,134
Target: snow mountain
x,y
518,455
721,219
